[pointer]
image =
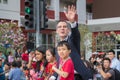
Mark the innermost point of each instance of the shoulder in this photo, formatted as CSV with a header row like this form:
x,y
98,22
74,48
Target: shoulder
x,y
12,70
116,71
111,71
1,69
115,60
69,62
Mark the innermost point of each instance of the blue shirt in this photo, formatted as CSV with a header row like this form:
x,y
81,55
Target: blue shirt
x,y
2,77
15,74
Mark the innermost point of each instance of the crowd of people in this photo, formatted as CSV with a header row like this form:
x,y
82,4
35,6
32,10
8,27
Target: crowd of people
x,y
60,62
42,64
104,66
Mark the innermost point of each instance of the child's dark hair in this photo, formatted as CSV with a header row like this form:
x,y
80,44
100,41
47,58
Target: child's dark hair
x,y
9,52
41,49
19,63
7,63
0,51
14,64
61,43
52,50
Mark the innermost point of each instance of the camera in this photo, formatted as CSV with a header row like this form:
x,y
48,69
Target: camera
x,y
96,63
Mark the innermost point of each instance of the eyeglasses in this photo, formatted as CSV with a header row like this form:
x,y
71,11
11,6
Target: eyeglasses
x,y
62,26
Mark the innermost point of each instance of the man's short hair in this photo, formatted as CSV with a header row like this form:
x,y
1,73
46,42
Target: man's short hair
x,y
106,58
68,24
112,51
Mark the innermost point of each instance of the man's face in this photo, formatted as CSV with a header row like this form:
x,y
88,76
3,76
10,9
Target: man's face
x,y
111,55
106,64
62,30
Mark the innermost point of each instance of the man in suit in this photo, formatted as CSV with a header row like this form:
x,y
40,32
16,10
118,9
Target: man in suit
x,y
68,31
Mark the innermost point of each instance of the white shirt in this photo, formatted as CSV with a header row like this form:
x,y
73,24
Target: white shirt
x,y
115,64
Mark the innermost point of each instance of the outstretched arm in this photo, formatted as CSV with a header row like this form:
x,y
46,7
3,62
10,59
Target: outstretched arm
x,y
75,34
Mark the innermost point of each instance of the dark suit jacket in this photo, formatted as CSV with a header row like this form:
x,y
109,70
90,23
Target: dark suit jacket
x,y
74,41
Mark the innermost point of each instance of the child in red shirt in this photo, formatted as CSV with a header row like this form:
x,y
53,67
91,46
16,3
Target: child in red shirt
x,y
66,67
50,57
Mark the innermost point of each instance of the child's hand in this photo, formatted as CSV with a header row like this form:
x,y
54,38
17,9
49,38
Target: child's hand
x,y
42,68
53,67
30,58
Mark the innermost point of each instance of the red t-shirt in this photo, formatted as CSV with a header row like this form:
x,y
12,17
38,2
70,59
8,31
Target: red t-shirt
x,y
48,69
68,67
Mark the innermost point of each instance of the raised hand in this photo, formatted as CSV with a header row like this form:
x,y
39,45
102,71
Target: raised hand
x,y
70,13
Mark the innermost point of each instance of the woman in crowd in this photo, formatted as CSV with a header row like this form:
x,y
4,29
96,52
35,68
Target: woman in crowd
x,y
37,71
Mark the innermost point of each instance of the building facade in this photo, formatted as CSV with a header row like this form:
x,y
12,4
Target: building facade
x,y
10,10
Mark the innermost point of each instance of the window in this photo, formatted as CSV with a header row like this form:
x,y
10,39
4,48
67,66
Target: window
x,y
45,39
5,1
